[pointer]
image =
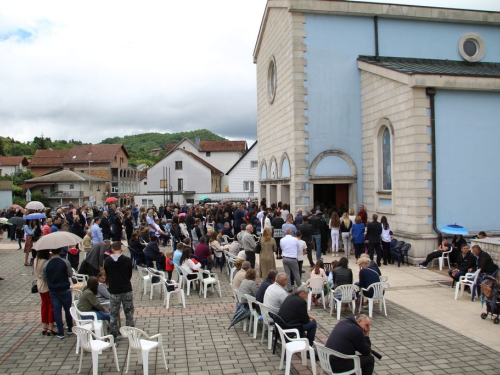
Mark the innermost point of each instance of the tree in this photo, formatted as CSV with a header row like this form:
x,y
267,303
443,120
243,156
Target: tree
x,y
2,150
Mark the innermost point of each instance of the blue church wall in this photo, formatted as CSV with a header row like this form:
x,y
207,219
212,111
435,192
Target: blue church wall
x,y
467,134
333,80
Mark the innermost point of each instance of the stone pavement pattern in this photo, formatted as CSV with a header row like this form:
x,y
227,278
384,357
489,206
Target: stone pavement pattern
x,y
197,341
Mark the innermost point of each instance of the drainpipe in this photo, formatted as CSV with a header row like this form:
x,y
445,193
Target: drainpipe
x,y
431,93
375,24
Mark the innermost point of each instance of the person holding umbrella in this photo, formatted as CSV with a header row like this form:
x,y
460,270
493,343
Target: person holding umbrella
x,y
29,231
47,310
57,272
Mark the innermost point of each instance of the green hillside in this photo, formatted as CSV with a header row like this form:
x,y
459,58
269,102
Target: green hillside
x,y
138,146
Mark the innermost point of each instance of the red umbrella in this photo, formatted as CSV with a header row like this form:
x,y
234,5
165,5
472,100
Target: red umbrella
x,y
110,199
16,207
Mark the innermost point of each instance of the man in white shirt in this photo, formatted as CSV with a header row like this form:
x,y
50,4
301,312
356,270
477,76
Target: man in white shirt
x,y
290,248
275,294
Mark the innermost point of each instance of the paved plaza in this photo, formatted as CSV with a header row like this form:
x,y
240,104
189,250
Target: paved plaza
x,y
426,331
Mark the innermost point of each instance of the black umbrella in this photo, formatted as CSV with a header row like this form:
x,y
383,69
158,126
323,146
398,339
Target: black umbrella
x,y
17,221
242,313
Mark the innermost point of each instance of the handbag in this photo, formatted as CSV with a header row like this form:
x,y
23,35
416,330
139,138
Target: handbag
x,y
257,249
34,287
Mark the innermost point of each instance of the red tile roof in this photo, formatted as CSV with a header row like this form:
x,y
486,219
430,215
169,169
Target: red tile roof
x,y
95,153
170,147
48,158
13,161
206,146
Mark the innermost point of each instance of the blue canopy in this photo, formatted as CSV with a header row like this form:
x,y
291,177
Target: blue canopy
x,y
455,229
35,216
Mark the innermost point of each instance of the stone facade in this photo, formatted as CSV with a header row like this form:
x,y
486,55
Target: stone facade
x,y
283,39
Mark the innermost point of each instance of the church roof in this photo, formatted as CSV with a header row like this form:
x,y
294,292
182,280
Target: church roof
x,y
412,66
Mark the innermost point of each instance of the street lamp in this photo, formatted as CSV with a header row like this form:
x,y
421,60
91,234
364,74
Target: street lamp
x,y
90,181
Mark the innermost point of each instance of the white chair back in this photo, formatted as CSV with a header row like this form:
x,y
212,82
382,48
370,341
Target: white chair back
x,y
264,312
378,289
86,337
348,292
134,336
278,233
384,279
324,354
316,284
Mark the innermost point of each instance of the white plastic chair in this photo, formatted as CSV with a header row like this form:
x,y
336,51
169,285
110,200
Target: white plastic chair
x,y
75,294
95,345
227,239
267,322
443,258
383,279
254,315
180,274
178,290
185,281
378,295
210,279
324,354
469,279
143,278
80,277
79,322
316,286
347,295
97,325
141,343
295,345
152,273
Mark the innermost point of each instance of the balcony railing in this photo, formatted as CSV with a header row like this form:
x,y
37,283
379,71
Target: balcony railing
x,y
64,194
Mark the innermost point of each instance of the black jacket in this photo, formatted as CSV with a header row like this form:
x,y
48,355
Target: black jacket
x,y
467,262
118,273
342,276
485,262
307,231
293,310
315,221
347,338
57,272
374,231
105,226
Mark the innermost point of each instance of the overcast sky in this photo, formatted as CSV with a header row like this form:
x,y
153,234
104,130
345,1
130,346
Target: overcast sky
x,y
95,69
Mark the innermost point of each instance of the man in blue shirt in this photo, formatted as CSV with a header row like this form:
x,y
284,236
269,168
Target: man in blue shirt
x,y
271,278
96,232
56,225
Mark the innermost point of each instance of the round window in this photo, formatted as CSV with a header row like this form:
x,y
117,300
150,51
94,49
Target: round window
x,y
271,80
471,47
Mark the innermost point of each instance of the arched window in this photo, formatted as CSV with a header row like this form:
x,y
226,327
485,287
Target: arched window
x,y
386,160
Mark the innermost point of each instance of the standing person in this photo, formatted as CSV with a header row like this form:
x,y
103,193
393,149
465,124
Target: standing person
x,y
29,231
267,250
289,224
239,218
386,240
291,248
373,233
358,237
118,270
57,272
335,233
300,255
349,336
298,218
105,226
46,227
316,222
363,215
306,230
345,230
277,223
118,226
248,244
96,231
47,311
129,225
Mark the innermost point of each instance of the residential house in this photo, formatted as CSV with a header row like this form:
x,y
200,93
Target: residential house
x,y
11,164
370,102
244,174
180,176
5,194
65,186
46,161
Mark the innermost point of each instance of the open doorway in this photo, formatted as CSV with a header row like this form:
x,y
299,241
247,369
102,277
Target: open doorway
x,y
331,195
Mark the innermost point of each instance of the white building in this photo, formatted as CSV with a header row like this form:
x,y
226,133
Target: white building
x,y
11,164
244,174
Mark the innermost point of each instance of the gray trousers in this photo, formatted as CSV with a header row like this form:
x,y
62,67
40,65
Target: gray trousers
x,y
291,267
116,300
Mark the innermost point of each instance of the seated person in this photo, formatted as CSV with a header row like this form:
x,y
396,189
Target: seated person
x,y
145,234
227,230
445,246
178,253
215,245
367,277
152,252
484,261
188,267
88,301
202,252
271,278
234,248
373,265
293,310
465,261
349,336
102,291
342,274
138,246
240,275
248,285
275,294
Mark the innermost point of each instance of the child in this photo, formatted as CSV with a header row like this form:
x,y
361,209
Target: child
x,y
102,291
169,265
